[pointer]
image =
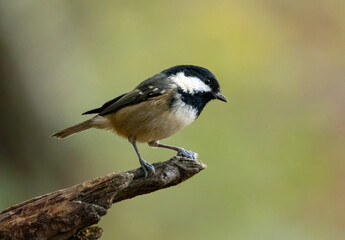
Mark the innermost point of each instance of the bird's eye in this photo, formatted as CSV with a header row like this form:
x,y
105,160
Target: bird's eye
x,y
207,80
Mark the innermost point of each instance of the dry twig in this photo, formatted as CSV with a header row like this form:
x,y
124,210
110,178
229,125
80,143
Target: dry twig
x,y
70,213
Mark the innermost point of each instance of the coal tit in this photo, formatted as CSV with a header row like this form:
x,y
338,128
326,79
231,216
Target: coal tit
x,y
156,109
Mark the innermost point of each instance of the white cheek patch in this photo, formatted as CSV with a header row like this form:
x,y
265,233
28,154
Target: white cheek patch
x,y
190,84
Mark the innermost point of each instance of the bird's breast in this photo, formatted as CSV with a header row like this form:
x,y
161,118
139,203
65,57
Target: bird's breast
x,y
153,119
183,112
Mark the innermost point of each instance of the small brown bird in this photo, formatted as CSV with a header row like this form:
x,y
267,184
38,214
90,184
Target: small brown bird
x,y
156,109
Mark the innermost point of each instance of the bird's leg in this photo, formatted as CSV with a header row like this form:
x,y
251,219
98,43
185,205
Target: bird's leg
x,y
180,151
144,165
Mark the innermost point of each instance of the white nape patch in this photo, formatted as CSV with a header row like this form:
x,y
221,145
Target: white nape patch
x,y
190,84
184,113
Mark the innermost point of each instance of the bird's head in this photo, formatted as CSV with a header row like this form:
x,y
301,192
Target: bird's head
x,y
195,80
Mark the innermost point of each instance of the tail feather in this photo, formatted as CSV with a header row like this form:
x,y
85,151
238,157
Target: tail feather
x,y
74,129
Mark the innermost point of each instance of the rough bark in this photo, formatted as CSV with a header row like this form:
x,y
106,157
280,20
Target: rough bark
x,y
70,213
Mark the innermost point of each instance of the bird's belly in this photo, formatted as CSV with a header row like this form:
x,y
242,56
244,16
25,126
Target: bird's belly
x,y
150,120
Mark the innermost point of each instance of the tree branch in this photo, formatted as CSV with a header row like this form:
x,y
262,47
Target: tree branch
x,y
69,213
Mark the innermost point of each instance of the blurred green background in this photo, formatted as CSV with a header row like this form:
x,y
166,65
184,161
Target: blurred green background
x,y
275,153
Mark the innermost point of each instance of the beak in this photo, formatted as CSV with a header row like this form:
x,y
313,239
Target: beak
x,y
220,97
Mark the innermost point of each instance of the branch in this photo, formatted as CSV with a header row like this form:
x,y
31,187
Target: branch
x,y
69,213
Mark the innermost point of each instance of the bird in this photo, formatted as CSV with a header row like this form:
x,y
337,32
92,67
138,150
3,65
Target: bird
x,y
154,110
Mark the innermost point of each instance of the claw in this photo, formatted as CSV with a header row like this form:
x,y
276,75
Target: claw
x,y
145,171
147,167
188,154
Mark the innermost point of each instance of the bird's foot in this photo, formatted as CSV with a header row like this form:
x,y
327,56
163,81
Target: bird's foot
x,y
147,167
188,154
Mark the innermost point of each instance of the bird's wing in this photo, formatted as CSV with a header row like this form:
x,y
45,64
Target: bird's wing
x,y
152,87
100,109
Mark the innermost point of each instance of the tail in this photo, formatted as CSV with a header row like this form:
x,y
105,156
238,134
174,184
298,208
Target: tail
x,y
72,130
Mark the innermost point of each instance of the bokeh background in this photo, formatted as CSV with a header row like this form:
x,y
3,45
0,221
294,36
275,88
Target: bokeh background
x,y
275,153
